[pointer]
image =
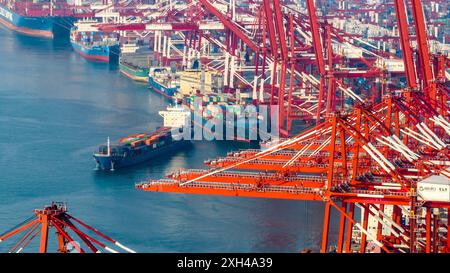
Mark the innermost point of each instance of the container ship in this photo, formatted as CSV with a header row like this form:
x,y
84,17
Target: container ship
x,y
92,44
139,148
136,149
35,18
207,102
134,62
163,81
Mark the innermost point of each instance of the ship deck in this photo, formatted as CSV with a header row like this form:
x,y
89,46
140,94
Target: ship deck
x,y
140,59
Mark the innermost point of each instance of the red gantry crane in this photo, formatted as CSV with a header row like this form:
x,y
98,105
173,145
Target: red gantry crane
x,y
273,51
68,230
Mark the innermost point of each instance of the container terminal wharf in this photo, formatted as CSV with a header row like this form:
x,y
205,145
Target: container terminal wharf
x,y
368,79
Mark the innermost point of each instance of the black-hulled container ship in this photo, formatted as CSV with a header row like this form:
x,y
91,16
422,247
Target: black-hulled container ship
x,y
136,149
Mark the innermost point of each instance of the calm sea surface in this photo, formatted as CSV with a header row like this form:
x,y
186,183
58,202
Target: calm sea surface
x,y
56,108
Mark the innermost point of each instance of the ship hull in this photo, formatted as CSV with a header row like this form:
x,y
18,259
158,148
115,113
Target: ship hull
x,y
96,53
159,88
106,162
136,74
31,26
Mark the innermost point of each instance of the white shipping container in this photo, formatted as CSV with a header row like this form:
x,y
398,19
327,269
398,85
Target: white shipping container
x,y
434,188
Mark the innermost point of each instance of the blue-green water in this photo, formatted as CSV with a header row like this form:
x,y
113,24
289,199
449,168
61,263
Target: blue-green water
x,y
55,108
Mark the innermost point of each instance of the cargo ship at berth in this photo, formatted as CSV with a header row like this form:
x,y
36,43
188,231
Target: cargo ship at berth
x,y
134,62
163,81
136,73
207,103
36,18
92,44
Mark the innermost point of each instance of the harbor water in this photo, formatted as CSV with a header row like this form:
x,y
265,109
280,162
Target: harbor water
x,y
56,108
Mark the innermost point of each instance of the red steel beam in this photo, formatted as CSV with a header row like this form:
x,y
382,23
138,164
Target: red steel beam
x,y
270,28
428,230
405,43
280,26
229,24
326,225
316,37
18,230
317,44
341,229
424,56
44,233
